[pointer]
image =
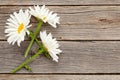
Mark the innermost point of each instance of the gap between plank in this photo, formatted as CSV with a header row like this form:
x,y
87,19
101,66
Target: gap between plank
x,y
73,40
72,5
61,73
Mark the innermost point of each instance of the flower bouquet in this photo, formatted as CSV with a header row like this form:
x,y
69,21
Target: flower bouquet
x,y
18,28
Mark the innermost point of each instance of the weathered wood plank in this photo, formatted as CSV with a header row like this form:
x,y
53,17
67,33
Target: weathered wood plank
x,y
59,77
59,2
77,57
77,22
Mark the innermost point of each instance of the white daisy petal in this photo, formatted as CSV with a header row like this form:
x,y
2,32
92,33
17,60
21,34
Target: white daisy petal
x,y
10,25
45,14
17,26
54,56
51,45
12,21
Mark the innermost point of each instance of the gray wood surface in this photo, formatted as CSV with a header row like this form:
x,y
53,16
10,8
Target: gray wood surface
x,y
89,35
77,57
60,2
59,77
77,22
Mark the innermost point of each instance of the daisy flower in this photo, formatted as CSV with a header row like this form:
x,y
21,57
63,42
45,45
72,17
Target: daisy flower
x,y
17,26
45,14
50,44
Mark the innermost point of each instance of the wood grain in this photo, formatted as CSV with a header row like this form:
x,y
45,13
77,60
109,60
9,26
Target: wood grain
x,y
77,57
59,2
77,22
59,77
89,36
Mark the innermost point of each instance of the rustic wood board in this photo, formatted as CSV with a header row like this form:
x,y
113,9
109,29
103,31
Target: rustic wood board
x,y
59,77
77,57
89,35
77,22
60,2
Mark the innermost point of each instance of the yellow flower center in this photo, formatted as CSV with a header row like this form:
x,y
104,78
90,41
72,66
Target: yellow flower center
x,y
20,28
44,18
45,48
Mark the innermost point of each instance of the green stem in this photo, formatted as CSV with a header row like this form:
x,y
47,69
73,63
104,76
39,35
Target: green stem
x,y
39,44
36,40
28,68
34,36
27,61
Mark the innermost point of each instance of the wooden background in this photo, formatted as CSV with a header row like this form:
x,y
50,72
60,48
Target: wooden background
x,y
89,35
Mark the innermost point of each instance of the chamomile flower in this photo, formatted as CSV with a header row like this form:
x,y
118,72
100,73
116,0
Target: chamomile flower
x,y
45,14
17,26
50,44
